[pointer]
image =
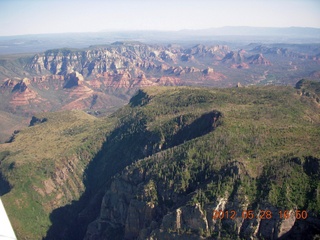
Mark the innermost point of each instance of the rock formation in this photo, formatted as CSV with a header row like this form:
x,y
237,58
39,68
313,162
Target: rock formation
x,y
73,79
259,60
22,94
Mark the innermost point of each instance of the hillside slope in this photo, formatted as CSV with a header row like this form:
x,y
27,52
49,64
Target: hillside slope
x,y
9,123
43,167
159,167
231,150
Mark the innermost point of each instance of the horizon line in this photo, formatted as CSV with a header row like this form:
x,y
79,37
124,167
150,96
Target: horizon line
x,y
155,30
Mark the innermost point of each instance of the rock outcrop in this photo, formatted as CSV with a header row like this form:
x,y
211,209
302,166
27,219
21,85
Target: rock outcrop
x,y
73,79
234,57
8,84
259,59
124,59
132,205
22,94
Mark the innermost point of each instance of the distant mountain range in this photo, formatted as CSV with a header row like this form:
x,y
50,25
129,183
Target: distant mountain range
x,y
299,32
42,42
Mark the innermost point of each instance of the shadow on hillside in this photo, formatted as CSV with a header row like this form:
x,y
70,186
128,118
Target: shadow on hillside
x,y
204,124
125,145
4,185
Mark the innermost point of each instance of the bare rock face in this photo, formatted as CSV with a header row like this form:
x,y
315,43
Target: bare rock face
x,y
139,216
286,225
97,61
21,86
8,84
168,81
61,62
22,94
187,58
73,79
216,52
121,80
186,217
121,57
143,81
239,85
125,65
114,210
259,59
208,71
234,57
210,75
131,206
240,66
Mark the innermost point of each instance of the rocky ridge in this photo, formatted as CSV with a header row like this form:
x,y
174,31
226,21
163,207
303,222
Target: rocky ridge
x,y
57,172
132,58
129,59
146,218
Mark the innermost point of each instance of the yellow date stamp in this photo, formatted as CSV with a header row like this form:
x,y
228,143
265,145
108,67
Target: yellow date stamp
x,y
261,214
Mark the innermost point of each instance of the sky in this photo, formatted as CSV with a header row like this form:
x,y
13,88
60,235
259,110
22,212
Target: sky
x,y
19,17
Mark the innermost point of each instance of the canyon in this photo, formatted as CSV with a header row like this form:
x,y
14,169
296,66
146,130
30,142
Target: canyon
x,y
105,77
133,140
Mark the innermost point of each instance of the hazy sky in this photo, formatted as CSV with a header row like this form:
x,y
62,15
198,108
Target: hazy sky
x,y
56,16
